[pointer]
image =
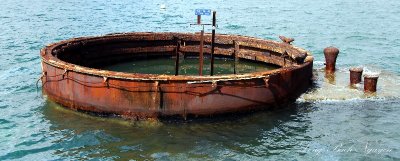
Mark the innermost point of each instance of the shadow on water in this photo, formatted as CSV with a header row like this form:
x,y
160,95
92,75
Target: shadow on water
x,y
258,134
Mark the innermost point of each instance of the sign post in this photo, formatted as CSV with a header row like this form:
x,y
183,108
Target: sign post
x,y
199,13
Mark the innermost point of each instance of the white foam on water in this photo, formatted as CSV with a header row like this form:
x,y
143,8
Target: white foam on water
x,y
163,6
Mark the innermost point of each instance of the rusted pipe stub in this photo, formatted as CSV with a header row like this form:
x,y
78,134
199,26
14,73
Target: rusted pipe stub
x,y
370,82
355,75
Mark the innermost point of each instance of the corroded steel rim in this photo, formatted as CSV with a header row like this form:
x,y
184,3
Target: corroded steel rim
x,y
72,77
48,57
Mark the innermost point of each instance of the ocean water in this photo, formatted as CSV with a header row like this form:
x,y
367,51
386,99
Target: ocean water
x,y
329,122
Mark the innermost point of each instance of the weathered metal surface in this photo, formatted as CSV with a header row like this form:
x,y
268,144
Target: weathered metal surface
x,y
355,75
370,82
286,39
70,76
331,54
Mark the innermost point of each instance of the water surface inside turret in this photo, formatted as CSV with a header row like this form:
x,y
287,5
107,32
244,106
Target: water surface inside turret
x,y
189,66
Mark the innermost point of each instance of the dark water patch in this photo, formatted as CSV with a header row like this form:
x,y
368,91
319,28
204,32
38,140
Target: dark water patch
x,y
234,27
4,17
187,66
358,37
31,142
172,16
309,13
23,60
22,116
4,121
40,15
8,126
145,17
127,148
22,153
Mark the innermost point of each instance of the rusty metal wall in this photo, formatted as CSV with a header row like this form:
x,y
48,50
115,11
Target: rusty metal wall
x,y
69,80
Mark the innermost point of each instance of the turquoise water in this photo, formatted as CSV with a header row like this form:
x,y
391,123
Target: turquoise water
x,y
330,122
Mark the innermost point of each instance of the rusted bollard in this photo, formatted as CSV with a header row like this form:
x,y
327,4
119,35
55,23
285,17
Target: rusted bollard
x,y
370,82
355,75
331,54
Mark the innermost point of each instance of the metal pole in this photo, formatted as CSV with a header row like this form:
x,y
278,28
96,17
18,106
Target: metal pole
x,y
201,52
198,19
177,56
235,55
213,42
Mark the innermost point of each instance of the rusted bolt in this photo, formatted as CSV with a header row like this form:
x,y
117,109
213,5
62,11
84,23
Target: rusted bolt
x,y
355,75
43,52
214,84
331,54
287,40
156,85
44,75
266,81
105,80
370,82
65,73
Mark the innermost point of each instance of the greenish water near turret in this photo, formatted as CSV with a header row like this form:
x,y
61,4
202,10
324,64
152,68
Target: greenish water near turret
x,y
190,66
329,122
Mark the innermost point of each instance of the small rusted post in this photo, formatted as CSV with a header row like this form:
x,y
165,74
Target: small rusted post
x,y
177,56
213,42
201,52
331,54
355,75
370,82
198,19
286,40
